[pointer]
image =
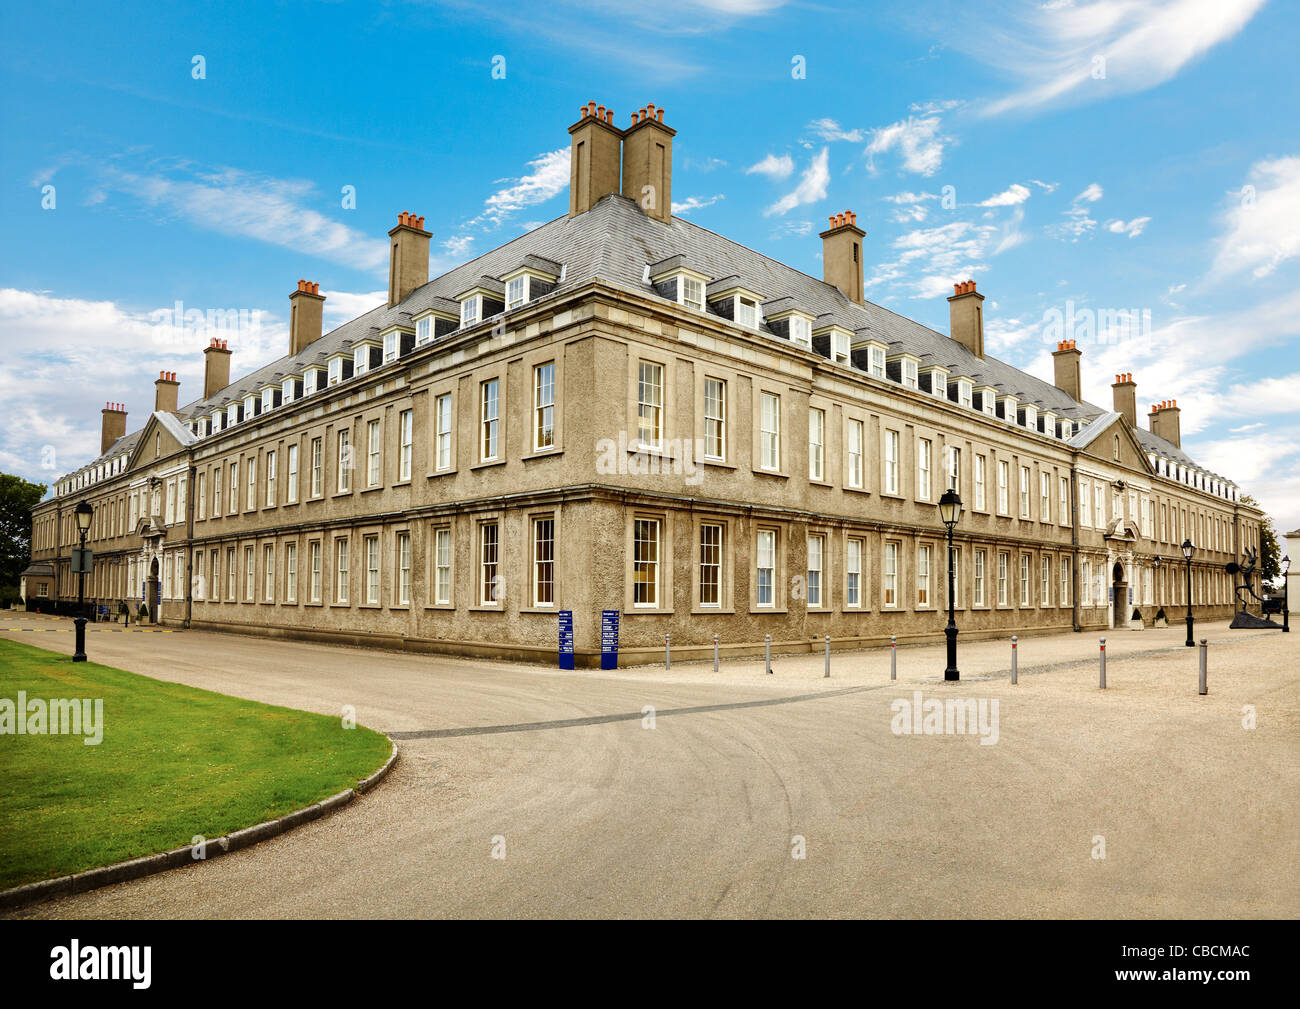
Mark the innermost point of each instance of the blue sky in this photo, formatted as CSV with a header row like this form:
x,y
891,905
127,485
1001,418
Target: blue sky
x,y
1071,157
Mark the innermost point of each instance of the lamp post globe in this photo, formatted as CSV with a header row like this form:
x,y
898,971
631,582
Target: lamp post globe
x,y
1188,549
950,515
84,513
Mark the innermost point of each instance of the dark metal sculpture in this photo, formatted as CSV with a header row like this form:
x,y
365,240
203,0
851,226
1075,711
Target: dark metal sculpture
x,y
1245,591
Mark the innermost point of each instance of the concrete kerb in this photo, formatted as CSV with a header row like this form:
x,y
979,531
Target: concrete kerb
x,y
148,865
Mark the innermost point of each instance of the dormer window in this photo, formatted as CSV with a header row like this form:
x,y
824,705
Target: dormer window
x,y
909,374
938,382
516,291
801,330
392,345
335,370
287,389
250,406
691,292
232,414
268,399
876,362
1031,418
747,312
360,360
965,393
423,333
313,380
469,310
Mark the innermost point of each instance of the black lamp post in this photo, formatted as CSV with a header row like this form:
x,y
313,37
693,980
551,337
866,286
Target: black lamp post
x,y
1188,549
950,513
1286,590
84,514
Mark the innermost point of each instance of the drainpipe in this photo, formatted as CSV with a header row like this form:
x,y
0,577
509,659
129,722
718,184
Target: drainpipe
x,y
189,544
1074,544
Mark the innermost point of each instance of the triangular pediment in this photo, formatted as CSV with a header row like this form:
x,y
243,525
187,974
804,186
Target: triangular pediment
x,y
1109,439
162,437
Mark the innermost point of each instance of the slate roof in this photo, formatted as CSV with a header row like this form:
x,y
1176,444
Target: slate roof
x,y
613,242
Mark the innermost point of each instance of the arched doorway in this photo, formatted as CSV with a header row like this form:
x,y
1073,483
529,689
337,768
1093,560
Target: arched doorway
x,y
1119,596
154,595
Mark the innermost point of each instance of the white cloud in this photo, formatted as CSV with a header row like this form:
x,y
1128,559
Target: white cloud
x,y
344,306
458,246
549,177
230,201
918,141
1078,221
811,188
1084,51
1049,187
1262,231
792,229
1131,228
774,167
115,353
829,129
929,260
909,197
1008,197
695,203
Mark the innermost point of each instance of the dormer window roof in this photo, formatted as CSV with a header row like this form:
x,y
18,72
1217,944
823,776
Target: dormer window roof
x,y
396,341
785,319
870,354
965,390
442,317
833,341
904,368
485,299
339,365
535,277
934,380
313,379
731,300
673,279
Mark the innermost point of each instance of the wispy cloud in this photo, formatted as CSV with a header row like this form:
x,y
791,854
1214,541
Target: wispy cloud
x,y
548,177
696,203
917,140
1262,231
1009,197
232,201
830,130
811,188
773,167
1090,50
1078,219
1131,228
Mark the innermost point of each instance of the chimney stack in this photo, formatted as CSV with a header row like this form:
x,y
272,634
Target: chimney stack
x,y
306,310
112,425
648,163
216,367
1065,360
1164,422
842,255
1125,397
165,392
408,264
966,317
595,149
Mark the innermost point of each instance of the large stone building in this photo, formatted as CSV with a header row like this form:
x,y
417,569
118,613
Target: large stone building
x,y
622,410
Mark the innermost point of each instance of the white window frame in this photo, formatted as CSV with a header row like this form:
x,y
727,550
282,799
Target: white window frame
x,y
544,406
715,419
489,420
816,444
442,421
645,592
649,404
406,429
769,409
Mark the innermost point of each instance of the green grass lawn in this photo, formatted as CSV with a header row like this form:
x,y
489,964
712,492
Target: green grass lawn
x,y
174,762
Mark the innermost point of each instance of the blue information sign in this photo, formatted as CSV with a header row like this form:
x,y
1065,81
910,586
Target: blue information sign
x,y
609,639
566,639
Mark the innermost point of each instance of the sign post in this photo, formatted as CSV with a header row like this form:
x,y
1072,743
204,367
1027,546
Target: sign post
x,y
609,639
566,639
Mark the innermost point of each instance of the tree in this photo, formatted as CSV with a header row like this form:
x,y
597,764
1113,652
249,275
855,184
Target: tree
x,y
1270,554
17,499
